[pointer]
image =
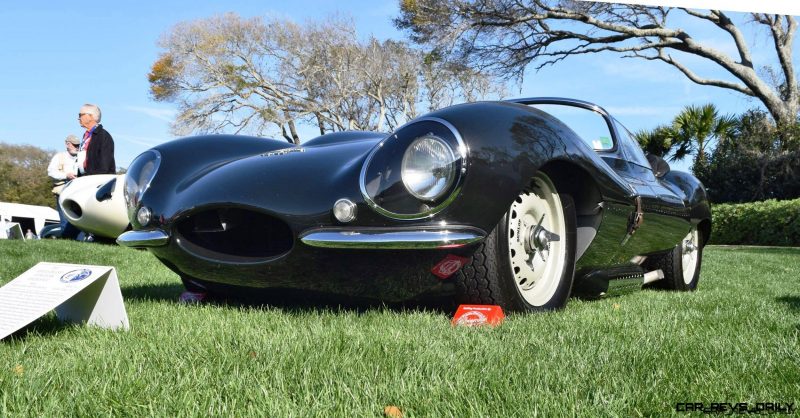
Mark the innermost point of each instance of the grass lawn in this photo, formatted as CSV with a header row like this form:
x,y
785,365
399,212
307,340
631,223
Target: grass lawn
x,y
737,339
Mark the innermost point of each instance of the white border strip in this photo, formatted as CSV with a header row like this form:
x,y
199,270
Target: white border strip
x,y
782,7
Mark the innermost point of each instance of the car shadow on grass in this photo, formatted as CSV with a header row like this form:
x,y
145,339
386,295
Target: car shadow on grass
x,y
153,293
792,301
46,325
794,304
290,300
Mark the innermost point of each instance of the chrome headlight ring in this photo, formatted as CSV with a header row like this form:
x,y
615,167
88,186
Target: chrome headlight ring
x,y
138,177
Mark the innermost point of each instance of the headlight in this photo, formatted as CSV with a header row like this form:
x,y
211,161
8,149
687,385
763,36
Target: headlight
x,y
428,168
139,176
415,172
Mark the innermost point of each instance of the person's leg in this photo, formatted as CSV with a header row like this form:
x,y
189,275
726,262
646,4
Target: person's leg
x,y
68,231
62,220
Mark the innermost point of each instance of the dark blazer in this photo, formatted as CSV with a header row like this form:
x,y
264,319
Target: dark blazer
x,y
100,155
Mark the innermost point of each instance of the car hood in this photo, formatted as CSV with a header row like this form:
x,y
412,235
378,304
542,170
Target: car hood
x,y
296,183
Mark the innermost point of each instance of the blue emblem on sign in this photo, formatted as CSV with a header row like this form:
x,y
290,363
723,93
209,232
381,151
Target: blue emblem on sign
x,y
76,275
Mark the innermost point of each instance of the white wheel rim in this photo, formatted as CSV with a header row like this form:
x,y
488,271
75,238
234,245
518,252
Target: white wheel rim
x,y
690,246
536,234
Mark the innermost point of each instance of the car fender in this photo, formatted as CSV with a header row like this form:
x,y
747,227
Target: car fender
x,y
695,198
505,154
93,204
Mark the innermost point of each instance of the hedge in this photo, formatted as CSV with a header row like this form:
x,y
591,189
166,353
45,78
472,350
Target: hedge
x,y
770,222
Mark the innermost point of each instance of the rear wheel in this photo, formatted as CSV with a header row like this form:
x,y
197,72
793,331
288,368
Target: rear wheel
x,y
681,266
528,261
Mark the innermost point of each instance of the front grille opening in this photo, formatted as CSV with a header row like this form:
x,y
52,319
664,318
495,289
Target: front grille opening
x,y
234,234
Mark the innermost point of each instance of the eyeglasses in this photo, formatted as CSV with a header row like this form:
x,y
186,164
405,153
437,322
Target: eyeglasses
x,y
81,114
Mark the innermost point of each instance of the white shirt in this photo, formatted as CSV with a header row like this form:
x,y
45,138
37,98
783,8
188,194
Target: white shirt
x,y
62,164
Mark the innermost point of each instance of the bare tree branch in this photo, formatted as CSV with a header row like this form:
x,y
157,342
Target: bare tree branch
x,y
506,36
695,78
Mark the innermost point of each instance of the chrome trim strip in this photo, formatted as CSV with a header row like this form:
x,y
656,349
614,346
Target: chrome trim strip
x,y
143,239
137,198
560,101
394,238
463,152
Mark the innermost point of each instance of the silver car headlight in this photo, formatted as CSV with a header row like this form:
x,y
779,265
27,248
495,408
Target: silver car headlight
x,y
428,168
416,171
138,178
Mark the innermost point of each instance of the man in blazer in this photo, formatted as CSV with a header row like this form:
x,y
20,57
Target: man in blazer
x,y
96,153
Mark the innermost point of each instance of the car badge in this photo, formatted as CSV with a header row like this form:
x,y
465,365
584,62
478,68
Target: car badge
x,y
449,266
283,151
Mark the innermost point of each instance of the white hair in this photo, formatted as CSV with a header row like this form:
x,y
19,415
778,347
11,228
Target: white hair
x,y
92,109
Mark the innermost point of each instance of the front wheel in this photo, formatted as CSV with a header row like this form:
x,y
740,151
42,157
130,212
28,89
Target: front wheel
x,y
527,262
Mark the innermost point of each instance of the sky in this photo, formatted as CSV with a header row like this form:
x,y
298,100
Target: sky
x,y
56,56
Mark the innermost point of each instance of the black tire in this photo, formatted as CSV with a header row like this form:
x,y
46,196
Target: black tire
x,y
490,276
672,264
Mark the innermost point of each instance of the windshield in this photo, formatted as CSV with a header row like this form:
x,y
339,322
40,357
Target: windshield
x,y
633,152
588,124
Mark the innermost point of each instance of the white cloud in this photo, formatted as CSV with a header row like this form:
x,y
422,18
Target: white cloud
x,y
139,140
635,69
167,115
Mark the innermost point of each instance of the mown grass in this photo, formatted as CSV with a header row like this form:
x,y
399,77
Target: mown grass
x,y
737,339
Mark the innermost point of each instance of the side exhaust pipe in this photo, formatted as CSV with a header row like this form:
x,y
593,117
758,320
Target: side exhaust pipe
x,y
652,276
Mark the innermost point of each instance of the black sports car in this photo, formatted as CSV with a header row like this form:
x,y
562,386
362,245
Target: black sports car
x,y
517,203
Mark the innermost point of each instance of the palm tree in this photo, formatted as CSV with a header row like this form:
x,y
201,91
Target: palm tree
x,y
659,141
696,128
692,132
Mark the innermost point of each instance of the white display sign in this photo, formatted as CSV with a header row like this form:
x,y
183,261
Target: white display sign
x,y
78,293
11,230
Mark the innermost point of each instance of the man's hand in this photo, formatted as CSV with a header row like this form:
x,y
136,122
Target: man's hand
x,y
71,176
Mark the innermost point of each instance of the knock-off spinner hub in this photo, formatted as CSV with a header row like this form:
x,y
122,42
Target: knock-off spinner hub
x,y
538,238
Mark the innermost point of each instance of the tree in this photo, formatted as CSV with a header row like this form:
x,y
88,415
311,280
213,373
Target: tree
x,y
697,127
659,141
24,178
227,73
760,161
692,132
508,35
